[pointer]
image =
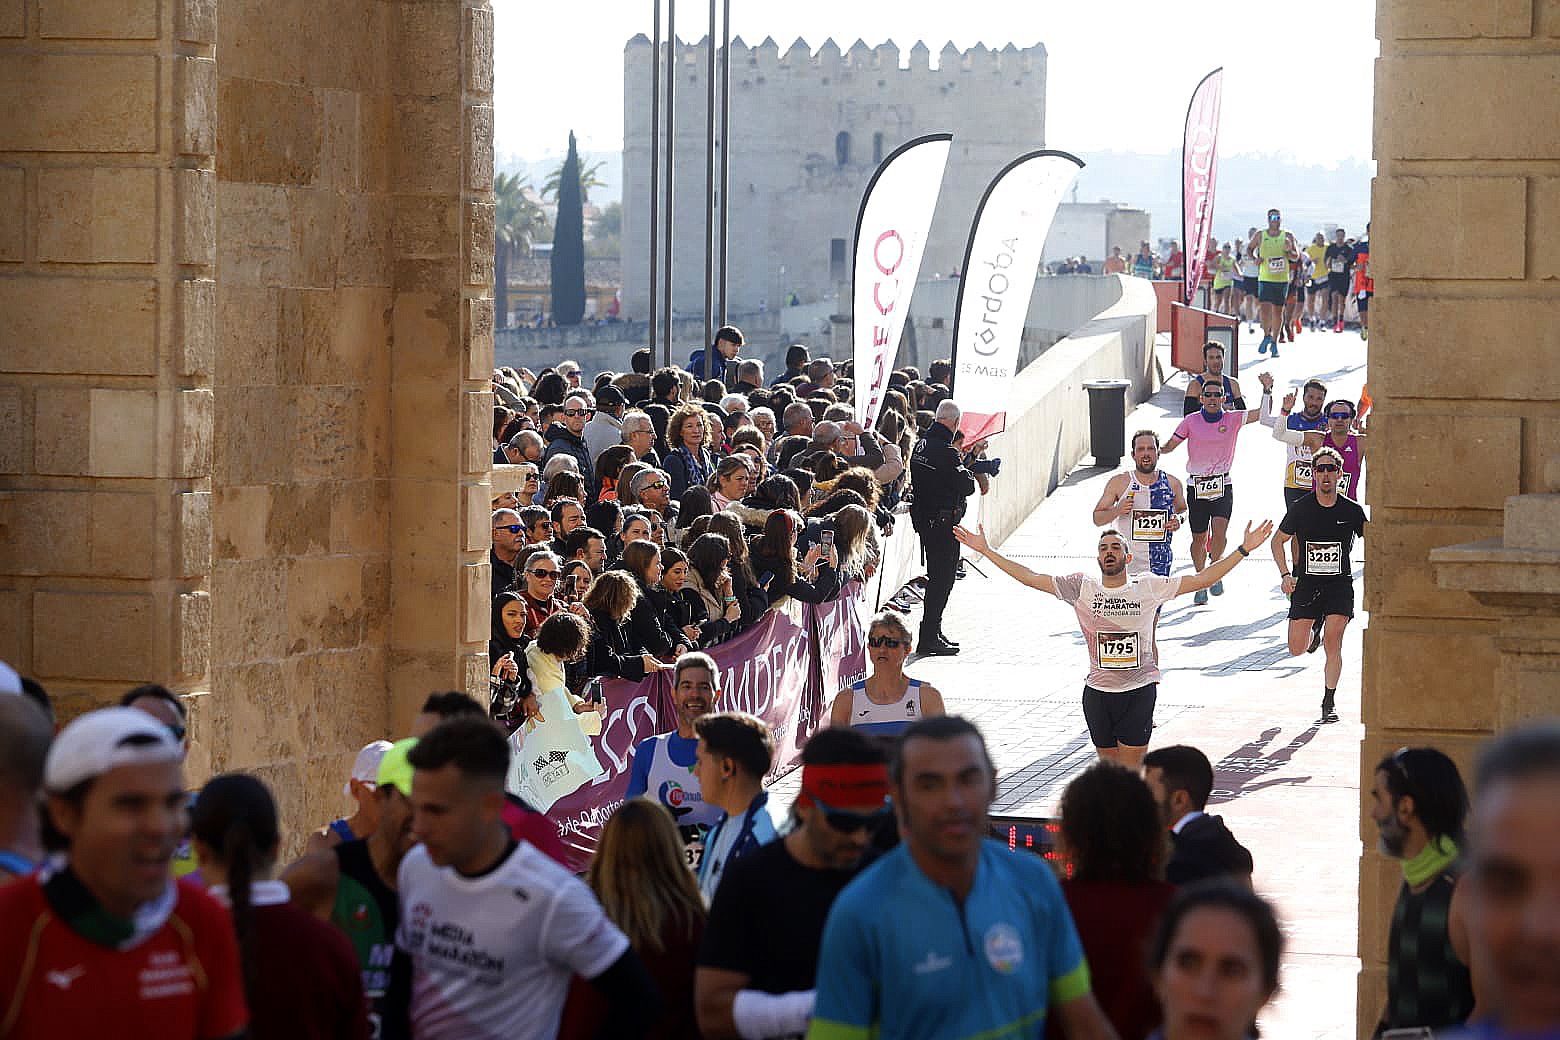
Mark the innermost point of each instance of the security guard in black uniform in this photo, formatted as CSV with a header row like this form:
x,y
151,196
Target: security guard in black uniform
x,y
940,484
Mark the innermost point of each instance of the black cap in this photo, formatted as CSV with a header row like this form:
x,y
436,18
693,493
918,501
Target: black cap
x,y
610,396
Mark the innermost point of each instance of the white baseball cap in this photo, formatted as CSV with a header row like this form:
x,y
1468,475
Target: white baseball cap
x,y
103,740
366,766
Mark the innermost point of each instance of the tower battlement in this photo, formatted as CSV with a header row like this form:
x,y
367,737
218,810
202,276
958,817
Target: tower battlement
x,y
885,57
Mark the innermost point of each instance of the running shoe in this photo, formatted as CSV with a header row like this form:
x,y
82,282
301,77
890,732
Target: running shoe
x,y
1297,328
1218,587
1339,326
1316,637
1262,347
1364,332
1200,597
1275,350
1329,710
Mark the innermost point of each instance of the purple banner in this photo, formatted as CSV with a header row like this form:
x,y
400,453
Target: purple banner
x,y
783,670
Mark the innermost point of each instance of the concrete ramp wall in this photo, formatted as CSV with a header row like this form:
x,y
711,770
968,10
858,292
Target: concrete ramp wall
x,y
1048,419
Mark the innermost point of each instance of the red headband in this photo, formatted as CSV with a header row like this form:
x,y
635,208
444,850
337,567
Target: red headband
x,y
839,785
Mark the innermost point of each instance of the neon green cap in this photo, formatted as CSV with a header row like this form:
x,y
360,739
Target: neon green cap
x,y
394,770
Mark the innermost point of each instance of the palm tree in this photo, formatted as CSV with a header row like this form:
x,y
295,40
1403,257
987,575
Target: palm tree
x,y
588,180
517,218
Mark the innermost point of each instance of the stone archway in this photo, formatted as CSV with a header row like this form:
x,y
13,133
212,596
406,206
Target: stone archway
x,y
246,277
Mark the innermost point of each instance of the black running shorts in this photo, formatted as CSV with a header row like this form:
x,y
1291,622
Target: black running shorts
x,y
1249,285
1320,597
1272,292
1201,511
1338,283
1116,719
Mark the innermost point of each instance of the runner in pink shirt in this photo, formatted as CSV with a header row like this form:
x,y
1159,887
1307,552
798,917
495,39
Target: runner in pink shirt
x,y
1118,615
1210,434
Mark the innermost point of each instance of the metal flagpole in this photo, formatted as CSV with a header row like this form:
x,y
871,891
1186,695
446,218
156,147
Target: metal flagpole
x,y
671,169
725,151
655,165
709,193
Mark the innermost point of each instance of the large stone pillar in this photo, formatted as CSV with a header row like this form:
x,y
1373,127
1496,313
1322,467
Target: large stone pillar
x,y
441,400
106,330
1462,366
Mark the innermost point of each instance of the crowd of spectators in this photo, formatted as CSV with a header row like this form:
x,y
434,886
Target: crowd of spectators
x,y
669,508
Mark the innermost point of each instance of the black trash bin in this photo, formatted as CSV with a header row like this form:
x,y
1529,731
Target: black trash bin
x,y
1108,420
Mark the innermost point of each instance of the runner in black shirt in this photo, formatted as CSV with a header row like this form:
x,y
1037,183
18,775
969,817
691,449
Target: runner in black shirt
x,y
760,949
1339,259
1322,526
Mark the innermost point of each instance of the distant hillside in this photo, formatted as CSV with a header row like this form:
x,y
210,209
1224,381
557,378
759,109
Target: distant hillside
x,y
1310,196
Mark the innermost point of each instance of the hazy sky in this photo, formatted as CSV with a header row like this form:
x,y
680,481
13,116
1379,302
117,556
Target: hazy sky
x,y
1120,72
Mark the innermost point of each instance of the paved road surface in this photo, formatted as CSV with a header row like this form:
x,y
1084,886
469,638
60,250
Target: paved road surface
x,y
1288,787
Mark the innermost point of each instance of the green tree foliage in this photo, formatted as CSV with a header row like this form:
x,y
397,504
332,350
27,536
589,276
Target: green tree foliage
x,y
518,221
568,252
588,178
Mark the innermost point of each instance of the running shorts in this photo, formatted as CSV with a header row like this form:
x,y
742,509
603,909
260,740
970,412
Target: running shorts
x,y
1320,597
1201,511
1120,718
1338,283
1249,285
1293,495
1272,292
1364,302
1297,292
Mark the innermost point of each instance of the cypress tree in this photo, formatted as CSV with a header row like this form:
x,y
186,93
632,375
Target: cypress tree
x,y
568,251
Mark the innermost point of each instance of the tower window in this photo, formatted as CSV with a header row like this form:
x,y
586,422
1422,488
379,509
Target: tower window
x,y
842,148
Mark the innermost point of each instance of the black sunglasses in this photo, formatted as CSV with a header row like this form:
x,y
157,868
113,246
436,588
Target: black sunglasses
x,y
1326,467
1340,415
576,412
545,574
852,822
881,641
511,528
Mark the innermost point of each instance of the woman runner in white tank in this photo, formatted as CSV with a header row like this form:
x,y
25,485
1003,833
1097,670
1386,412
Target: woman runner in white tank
x,y
887,701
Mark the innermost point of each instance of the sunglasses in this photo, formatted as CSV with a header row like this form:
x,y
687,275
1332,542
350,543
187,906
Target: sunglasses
x,y
1340,415
881,641
546,575
530,477
1215,395
852,822
574,413
658,485
1326,467
178,733
511,528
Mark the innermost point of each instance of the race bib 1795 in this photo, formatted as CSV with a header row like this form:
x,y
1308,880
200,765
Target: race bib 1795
x,y
1118,650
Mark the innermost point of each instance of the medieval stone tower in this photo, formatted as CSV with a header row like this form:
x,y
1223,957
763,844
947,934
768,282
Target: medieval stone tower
x,y
807,131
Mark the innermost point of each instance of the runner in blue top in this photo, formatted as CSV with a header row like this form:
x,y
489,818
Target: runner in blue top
x,y
663,765
951,936
887,701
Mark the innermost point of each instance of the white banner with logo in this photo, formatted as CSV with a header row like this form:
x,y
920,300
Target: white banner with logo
x,y
896,214
1000,265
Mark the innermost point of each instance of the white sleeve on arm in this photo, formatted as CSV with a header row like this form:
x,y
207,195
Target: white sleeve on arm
x,y
1282,432
1267,418
762,1016
579,934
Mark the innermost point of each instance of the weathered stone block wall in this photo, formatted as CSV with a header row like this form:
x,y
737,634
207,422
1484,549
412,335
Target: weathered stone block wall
x,y
1465,370
107,255
245,297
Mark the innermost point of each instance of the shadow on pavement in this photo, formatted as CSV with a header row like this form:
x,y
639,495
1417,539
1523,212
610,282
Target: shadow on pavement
x,y
1241,771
